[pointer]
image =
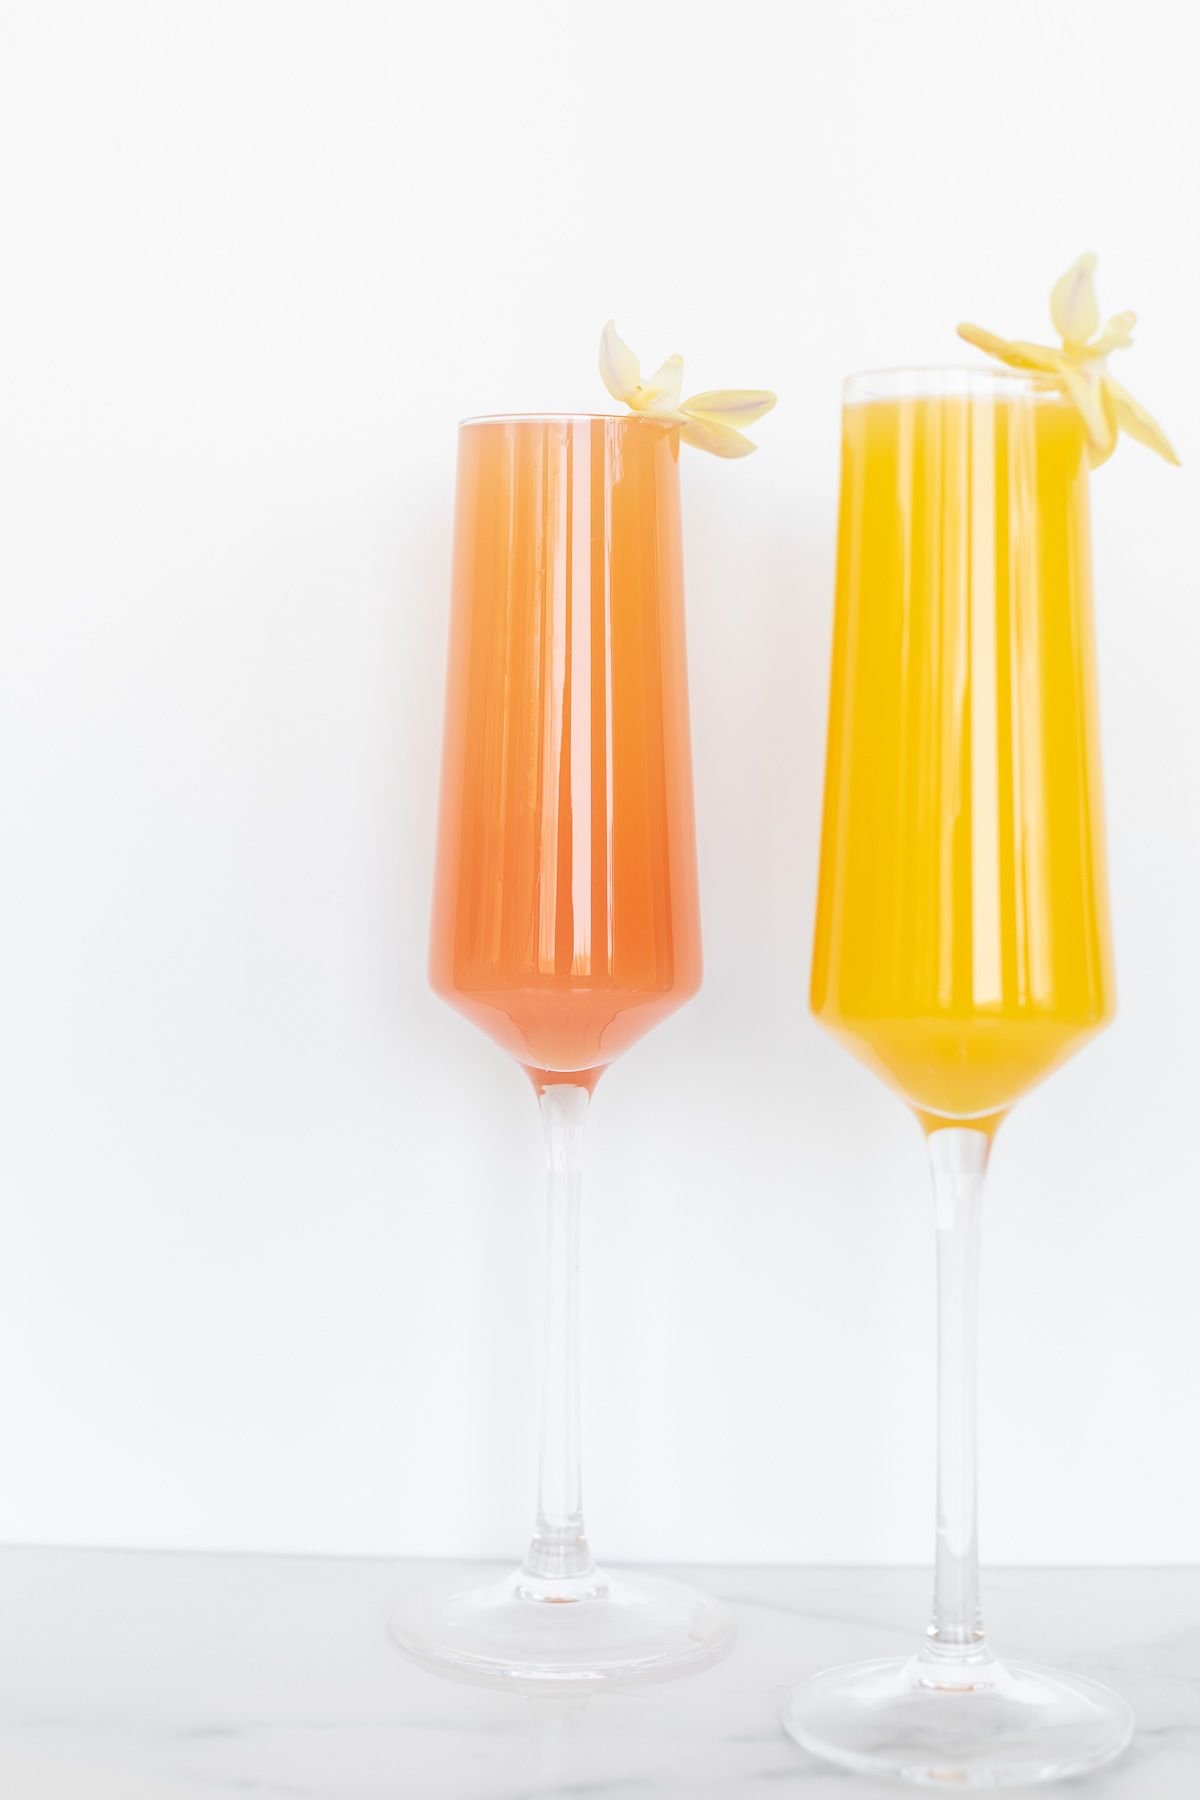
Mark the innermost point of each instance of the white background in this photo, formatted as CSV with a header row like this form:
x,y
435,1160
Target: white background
x,y
271,1239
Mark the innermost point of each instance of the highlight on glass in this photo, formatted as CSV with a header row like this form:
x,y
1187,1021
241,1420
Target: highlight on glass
x,y
566,925
962,946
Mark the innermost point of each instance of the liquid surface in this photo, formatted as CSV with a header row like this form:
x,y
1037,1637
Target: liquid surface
x,y
566,913
962,940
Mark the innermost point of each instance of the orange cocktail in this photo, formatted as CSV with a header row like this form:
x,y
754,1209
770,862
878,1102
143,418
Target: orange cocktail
x,y
566,915
565,924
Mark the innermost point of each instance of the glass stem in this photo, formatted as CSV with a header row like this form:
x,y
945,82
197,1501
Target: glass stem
x,y
559,1552
958,1159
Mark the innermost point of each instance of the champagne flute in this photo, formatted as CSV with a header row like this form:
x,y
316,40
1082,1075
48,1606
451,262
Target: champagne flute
x,y
962,942
565,925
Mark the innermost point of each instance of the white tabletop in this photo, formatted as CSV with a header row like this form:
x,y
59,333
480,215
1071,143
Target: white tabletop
x,y
130,1676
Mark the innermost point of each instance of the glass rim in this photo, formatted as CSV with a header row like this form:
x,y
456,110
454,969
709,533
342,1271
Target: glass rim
x,y
565,418
943,381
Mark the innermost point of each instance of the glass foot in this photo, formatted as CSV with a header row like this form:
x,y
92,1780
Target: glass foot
x,y
560,1636
978,1724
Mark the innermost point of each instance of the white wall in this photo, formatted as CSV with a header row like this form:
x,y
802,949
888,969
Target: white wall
x,y
271,1215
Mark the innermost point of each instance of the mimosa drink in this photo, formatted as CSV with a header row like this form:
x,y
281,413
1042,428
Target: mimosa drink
x,y
962,940
566,915
962,945
565,924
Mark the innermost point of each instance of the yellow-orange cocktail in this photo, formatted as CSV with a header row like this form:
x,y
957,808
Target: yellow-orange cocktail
x,y
566,914
962,940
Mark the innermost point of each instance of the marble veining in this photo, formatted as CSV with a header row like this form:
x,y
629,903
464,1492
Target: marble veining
x,y
131,1676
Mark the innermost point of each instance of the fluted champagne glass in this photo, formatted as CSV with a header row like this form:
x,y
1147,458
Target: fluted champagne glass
x,y
565,925
962,943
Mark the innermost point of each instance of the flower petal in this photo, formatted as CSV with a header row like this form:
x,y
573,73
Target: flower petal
x,y
660,392
731,406
721,440
1016,353
1134,419
1100,453
620,370
987,341
1117,335
1084,389
1039,359
1073,306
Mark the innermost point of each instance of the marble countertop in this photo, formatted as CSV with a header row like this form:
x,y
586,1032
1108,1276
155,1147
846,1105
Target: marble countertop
x,y
146,1676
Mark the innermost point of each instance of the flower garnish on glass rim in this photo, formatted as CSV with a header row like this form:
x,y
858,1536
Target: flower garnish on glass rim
x,y
1081,365
709,421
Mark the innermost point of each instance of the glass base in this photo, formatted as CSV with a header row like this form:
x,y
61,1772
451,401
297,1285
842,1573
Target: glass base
x,y
563,1636
976,1724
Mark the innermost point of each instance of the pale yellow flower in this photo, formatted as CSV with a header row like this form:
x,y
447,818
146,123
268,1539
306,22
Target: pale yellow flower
x,y
1081,365
709,421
